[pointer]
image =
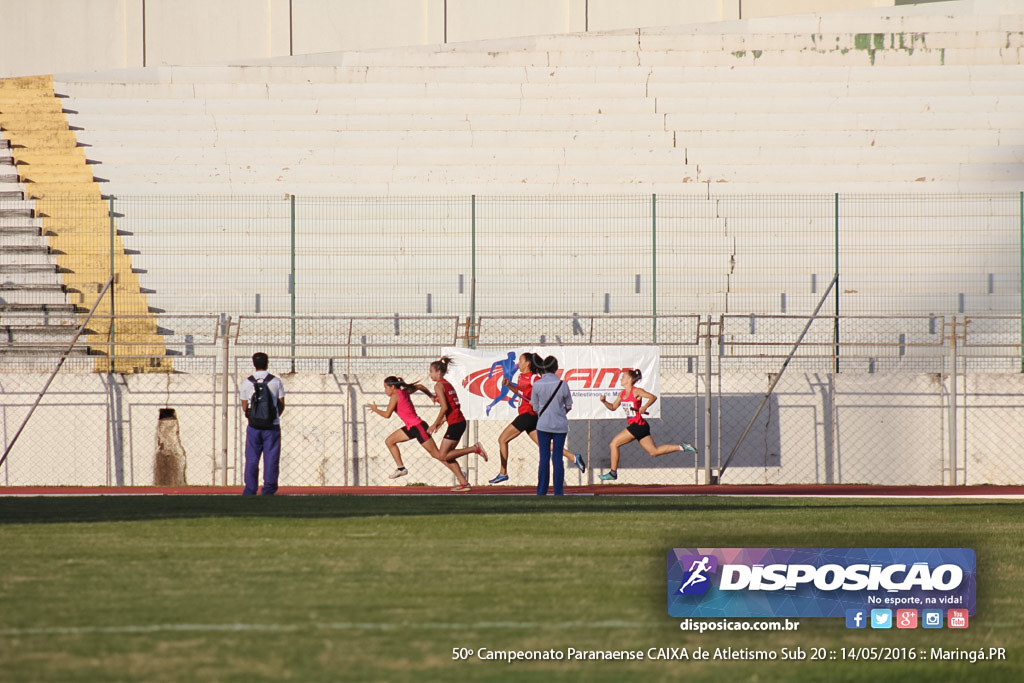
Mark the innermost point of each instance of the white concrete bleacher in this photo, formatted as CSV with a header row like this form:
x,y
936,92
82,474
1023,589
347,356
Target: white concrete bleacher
x,y
494,99
908,100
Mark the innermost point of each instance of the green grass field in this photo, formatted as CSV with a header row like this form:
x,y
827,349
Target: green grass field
x,y
384,588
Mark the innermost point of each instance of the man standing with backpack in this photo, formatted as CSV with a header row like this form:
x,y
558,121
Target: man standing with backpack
x,y
262,397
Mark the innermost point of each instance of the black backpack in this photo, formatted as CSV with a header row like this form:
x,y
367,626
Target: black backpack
x,y
262,407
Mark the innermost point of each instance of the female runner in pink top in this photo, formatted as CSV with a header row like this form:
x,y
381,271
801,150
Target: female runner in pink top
x,y
400,402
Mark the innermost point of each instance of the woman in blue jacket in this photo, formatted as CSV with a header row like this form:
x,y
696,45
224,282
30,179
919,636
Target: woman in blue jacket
x,y
552,401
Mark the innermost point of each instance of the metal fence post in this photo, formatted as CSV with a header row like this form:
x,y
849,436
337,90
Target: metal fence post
x,y
708,477
654,269
291,276
835,331
833,472
113,287
226,329
472,276
114,397
952,406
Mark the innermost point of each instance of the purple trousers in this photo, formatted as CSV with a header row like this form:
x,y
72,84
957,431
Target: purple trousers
x,y
265,442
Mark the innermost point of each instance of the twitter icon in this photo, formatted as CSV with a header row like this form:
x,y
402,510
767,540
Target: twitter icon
x,y
881,618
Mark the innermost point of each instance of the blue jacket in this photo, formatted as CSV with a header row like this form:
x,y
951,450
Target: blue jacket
x,y
554,418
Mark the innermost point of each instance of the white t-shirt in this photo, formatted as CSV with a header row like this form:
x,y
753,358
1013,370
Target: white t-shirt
x,y
276,387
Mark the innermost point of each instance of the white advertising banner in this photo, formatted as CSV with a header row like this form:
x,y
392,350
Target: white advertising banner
x,y
590,372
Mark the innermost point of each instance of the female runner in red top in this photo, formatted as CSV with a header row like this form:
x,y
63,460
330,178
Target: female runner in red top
x,y
526,420
637,402
399,393
450,412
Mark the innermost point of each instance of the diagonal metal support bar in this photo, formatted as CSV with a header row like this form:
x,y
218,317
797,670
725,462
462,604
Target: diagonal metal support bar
x,y
771,387
60,364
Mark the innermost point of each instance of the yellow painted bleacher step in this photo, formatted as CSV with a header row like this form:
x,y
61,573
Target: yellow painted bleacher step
x,y
76,223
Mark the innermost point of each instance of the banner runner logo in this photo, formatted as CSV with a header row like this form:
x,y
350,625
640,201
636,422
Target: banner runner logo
x,y
820,582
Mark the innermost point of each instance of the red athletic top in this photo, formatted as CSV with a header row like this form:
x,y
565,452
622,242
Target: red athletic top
x,y
454,413
525,385
634,417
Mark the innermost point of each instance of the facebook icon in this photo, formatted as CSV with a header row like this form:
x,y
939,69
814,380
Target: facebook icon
x,y
856,618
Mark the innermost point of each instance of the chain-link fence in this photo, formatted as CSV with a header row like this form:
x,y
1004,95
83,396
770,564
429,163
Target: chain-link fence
x,y
520,256
909,374
918,400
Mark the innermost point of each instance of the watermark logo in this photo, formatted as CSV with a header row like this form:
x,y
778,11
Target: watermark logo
x,y
696,581
820,582
856,618
881,618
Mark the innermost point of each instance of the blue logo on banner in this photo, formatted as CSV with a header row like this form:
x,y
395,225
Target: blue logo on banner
x,y
856,618
819,582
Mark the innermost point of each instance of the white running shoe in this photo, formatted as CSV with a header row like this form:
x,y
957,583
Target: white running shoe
x,y
400,472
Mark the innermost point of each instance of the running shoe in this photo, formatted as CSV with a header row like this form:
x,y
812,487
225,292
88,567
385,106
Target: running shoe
x,y
461,488
400,472
480,451
581,463
687,447
498,479
612,475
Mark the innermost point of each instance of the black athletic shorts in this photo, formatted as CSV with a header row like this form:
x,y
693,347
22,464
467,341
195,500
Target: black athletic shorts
x,y
639,431
525,422
419,432
455,431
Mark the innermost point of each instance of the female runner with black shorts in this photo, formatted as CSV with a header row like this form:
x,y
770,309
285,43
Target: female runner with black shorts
x,y
526,420
637,428
399,393
451,411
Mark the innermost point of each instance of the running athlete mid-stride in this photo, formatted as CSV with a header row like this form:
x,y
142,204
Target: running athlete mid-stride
x,y
451,411
399,393
526,421
637,428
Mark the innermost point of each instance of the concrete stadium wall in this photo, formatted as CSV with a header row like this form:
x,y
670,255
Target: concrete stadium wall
x,y
888,429
54,36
